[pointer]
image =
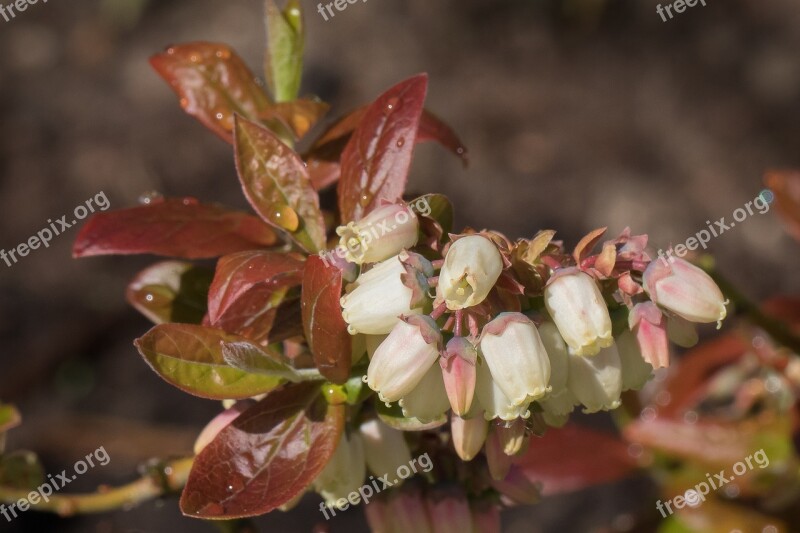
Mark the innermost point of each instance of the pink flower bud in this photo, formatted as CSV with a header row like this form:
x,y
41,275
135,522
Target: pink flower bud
x,y
383,233
403,359
517,487
460,373
685,290
218,423
408,512
596,381
496,458
649,325
485,517
511,436
449,510
469,434
518,362
471,268
576,305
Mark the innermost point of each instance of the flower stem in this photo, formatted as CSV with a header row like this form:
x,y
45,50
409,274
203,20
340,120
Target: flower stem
x,y
165,479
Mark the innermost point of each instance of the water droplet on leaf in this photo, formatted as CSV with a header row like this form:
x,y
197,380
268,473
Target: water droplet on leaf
x,y
150,197
286,217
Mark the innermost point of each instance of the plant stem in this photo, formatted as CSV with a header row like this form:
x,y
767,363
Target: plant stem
x,y
167,478
776,329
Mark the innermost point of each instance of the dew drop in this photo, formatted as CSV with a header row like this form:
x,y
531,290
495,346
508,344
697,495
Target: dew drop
x,y
400,142
364,200
223,54
194,58
171,51
184,103
150,197
286,217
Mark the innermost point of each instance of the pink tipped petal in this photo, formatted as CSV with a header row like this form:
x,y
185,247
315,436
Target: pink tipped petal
x,y
460,373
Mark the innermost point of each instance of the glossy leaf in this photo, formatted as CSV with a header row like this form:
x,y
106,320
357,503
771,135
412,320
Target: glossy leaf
x,y
574,457
325,329
277,185
213,83
266,457
250,358
285,44
376,161
190,357
171,291
179,227
432,128
587,243
247,289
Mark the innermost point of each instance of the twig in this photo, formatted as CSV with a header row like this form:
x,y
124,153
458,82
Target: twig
x,y
166,479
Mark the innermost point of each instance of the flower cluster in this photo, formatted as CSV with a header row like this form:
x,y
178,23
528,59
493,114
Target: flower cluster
x,y
509,335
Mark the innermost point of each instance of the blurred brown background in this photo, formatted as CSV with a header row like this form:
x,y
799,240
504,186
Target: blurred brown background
x,y
577,113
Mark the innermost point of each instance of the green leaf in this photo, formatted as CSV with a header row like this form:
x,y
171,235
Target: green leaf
x,y
250,358
266,457
285,41
276,184
190,357
9,417
171,291
21,470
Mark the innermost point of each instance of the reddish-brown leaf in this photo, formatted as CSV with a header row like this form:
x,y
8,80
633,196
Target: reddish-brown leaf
x,y
298,115
587,243
265,457
376,160
247,289
276,184
323,158
785,185
178,227
325,329
574,457
212,83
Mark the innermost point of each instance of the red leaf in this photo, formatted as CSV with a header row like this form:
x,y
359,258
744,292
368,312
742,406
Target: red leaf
x,y
212,83
575,457
276,184
265,457
325,329
376,160
247,289
432,128
323,158
178,227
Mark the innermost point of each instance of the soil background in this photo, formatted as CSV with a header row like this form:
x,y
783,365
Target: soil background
x,y
577,113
